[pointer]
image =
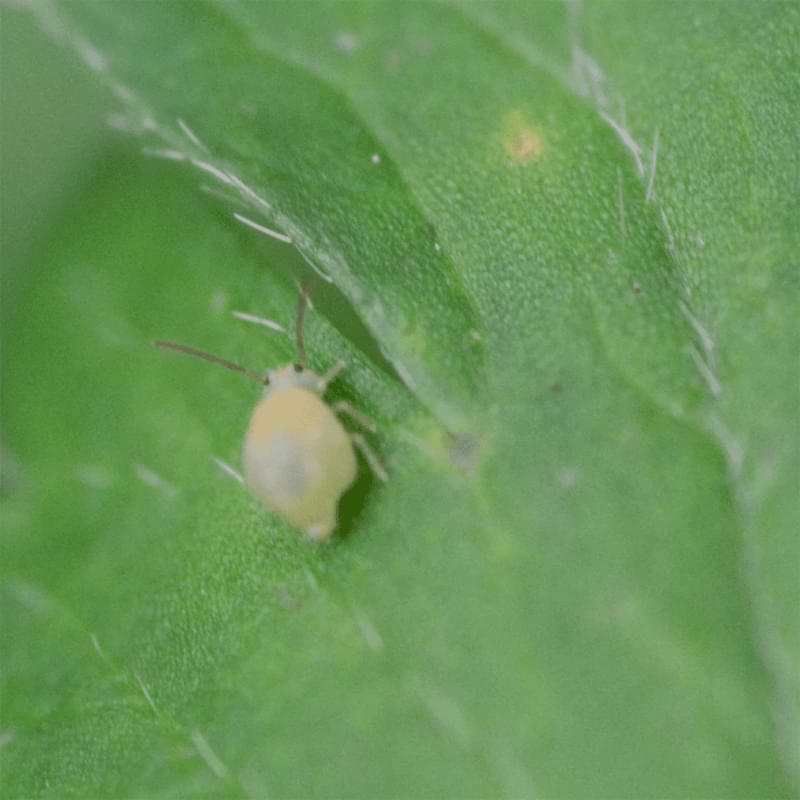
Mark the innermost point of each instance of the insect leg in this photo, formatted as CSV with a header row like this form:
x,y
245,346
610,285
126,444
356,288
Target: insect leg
x,y
374,462
343,407
328,378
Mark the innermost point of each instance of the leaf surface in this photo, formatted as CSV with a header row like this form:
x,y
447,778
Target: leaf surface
x,y
572,237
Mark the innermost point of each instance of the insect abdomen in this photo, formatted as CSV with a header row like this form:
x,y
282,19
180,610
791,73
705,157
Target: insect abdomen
x,y
298,459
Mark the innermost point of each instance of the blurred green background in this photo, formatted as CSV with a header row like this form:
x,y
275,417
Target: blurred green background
x,y
52,129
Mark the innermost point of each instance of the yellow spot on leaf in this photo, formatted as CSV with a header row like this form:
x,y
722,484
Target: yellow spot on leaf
x,y
522,140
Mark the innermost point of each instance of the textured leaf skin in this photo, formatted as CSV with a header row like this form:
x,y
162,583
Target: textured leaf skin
x,y
581,578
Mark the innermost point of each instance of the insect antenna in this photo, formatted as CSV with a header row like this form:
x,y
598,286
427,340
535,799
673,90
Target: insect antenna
x,y
302,304
193,351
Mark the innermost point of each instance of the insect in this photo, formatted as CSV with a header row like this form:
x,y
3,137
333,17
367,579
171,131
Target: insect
x,y
298,458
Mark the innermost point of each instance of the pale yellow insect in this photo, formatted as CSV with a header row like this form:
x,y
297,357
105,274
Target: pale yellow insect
x,y
298,458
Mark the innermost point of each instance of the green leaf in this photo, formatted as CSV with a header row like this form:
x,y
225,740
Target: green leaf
x,y
571,236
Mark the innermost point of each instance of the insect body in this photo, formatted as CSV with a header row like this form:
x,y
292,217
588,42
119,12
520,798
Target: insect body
x,y
298,457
